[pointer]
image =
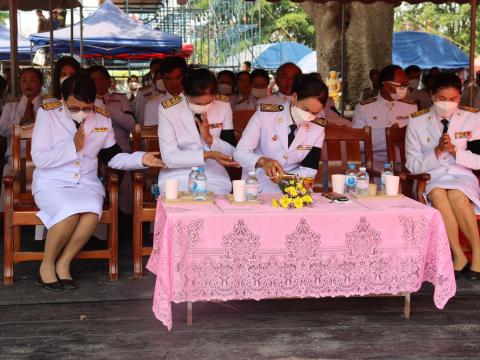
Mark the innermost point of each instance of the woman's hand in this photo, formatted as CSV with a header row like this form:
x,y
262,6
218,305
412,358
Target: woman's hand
x,y
151,159
222,159
79,138
444,145
272,168
204,128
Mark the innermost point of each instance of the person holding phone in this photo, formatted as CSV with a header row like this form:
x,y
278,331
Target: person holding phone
x,y
286,138
197,130
68,138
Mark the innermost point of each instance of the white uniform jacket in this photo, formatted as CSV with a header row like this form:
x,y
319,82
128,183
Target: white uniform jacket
x,y
123,120
57,163
238,102
266,135
151,108
380,113
138,104
182,147
277,99
447,172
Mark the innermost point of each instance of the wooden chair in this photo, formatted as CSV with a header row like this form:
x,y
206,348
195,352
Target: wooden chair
x,y
145,138
396,156
342,145
20,210
240,121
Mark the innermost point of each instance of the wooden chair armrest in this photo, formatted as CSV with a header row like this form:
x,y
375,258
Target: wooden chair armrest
x,y
10,178
11,183
419,177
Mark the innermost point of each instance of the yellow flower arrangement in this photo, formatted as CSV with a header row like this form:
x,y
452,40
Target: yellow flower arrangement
x,y
295,195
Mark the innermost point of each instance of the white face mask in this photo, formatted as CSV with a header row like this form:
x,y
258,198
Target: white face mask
x,y
400,93
200,109
78,117
224,89
413,84
160,85
62,79
445,108
300,116
259,93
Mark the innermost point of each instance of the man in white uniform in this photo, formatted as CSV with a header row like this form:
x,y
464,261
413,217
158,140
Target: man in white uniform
x,y
444,141
390,108
421,97
284,78
154,87
243,99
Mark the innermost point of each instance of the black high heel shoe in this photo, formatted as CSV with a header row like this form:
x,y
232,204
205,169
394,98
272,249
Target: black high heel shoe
x,y
463,272
472,275
53,286
67,284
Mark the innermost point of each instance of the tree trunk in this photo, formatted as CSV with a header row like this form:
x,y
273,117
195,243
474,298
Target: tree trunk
x,y
369,31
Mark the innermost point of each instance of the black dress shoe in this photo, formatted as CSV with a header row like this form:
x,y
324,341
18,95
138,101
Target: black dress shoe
x,y
53,286
463,272
68,284
472,275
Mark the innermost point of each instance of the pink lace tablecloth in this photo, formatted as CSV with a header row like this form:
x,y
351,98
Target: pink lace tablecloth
x,y
225,252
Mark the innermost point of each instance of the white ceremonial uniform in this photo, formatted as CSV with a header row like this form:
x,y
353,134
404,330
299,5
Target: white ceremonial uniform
x,y
151,108
138,104
274,99
380,113
447,172
238,102
266,135
65,182
182,146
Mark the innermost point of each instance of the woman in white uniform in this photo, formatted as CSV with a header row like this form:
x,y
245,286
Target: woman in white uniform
x,y
444,141
285,138
67,139
64,68
197,130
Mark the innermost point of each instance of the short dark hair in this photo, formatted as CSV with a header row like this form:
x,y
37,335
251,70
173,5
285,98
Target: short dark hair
x,y
388,73
81,87
132,77
171,63
3,84
199,82
32,70
260,73
412,68
228,73
446,80
248,63
155,62
66,60
283,66
309,85
241,73
101,69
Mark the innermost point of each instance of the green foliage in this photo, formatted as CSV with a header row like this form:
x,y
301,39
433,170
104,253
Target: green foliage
x,y
451,21
3,17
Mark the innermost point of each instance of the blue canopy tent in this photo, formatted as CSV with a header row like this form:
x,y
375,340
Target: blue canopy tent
x,y
23,45
426,51
274,55
110,33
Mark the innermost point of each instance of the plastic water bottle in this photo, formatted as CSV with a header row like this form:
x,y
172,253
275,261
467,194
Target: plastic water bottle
x,y
252,187
362,182
351,180
387,170
191,179
200,185
154,189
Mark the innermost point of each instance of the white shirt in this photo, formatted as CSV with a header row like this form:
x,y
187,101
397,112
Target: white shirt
x,y
238,102
277,99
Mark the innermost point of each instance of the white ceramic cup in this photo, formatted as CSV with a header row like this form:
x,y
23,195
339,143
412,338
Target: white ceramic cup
x,y
171,189
338,183
392,184
238,190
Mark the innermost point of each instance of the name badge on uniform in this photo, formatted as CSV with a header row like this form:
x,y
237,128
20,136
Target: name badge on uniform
x,y
304,147
402,117
100,129
216,126
463,135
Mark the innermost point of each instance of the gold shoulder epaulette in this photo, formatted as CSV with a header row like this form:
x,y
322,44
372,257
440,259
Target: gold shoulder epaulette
x,y
12,100
171,102
271,108
407,100
468,108
102,111
419,113
223,98
52,105
368,101
48,96
320,121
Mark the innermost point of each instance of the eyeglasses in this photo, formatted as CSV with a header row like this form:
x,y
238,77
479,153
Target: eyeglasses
x,y
77,109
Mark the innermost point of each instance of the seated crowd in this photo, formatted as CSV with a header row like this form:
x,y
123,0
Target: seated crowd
x,y
81,120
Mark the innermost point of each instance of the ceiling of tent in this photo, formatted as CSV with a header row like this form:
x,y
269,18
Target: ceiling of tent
x,y
28,5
